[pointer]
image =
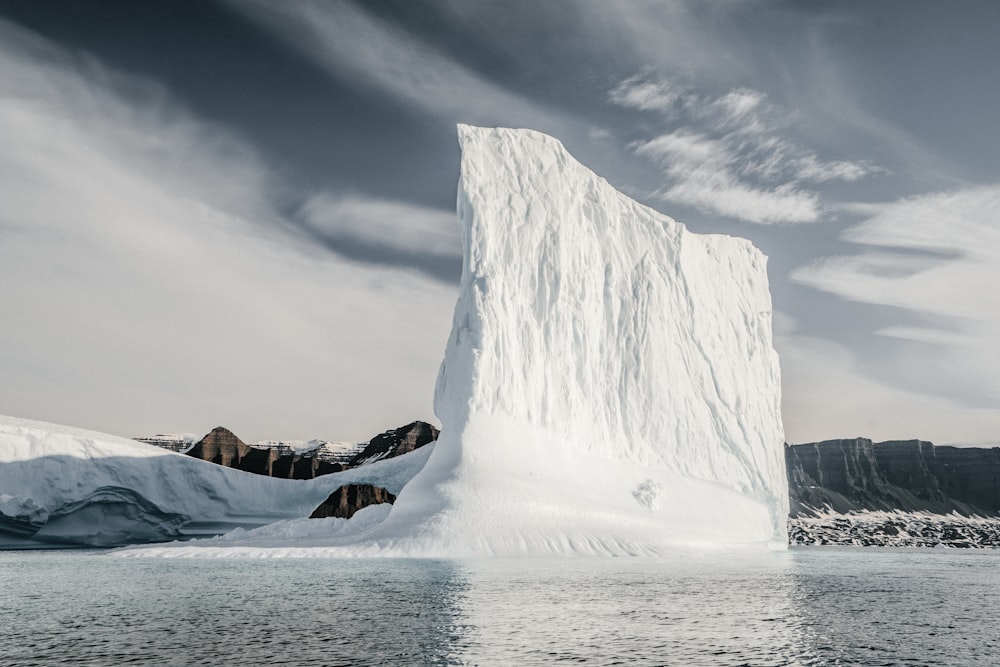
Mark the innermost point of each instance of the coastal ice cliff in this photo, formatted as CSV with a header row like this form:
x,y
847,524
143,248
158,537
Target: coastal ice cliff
x,y
609,386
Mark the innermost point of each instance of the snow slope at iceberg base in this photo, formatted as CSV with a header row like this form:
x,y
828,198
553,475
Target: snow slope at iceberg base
x,y
609,386
561,504
60,485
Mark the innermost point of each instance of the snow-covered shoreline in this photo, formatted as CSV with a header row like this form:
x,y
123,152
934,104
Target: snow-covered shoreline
x,y
895,529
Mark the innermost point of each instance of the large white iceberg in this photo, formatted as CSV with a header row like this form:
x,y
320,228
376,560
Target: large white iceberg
x,y
609,385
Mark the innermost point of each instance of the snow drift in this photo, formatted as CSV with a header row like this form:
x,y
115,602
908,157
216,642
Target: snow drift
x,y
609,386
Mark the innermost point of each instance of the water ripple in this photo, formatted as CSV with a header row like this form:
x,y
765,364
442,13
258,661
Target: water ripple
x,y
805,607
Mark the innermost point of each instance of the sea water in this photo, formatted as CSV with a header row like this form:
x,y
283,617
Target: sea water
x,y
815,606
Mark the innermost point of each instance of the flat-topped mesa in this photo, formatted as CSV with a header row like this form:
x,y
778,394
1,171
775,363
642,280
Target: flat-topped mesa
x,y
609,384
857,475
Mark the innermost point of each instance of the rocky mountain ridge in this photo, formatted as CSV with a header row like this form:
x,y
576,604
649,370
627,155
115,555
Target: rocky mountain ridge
x,y
223,447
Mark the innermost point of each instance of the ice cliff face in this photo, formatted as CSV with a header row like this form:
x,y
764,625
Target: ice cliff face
x,y
609,385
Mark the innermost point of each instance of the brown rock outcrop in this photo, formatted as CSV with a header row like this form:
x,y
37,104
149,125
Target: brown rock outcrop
x,y
221,446
350,498
396,442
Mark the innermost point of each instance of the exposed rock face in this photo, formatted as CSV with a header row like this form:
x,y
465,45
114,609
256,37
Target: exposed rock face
x,y
396,442
221,446
909,476
348,499
171,443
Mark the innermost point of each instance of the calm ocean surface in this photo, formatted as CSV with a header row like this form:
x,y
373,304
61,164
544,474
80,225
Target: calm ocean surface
x,y
807,606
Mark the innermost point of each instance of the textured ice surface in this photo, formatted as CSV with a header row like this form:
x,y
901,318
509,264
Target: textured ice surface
x,y
609,385
60,484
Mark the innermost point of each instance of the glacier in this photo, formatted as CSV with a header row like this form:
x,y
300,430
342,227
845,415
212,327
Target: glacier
x,y
609,386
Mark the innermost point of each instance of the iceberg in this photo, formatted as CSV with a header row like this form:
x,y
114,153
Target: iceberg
x,y
60,485
609,386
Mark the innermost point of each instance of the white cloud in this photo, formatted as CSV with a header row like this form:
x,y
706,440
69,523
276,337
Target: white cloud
x,y
740,105
147,282
927,335
825,395
947,280
720,192
701,173
962,231
727,154
349,42
398,225
810,168
635,93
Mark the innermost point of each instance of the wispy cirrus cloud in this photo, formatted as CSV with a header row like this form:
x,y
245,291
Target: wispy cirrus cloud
x,y
387,232
819,372
349,42
727,154
940,262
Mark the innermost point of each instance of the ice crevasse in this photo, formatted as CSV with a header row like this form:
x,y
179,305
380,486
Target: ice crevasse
x,y
609,385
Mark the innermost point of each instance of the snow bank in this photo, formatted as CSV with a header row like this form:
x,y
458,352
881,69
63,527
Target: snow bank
x,y
609,386
65,485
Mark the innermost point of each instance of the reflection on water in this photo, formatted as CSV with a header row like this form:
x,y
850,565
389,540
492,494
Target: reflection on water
x,y
711,611
812,607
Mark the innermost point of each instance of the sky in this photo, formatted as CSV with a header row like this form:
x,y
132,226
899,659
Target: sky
x,y
242,213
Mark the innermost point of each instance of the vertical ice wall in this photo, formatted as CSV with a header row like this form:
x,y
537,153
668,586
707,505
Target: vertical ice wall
x,y
610,377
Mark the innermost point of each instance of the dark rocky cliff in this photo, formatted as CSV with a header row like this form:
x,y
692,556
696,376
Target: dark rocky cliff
x,y
221,446
906,475
395,442
348,499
